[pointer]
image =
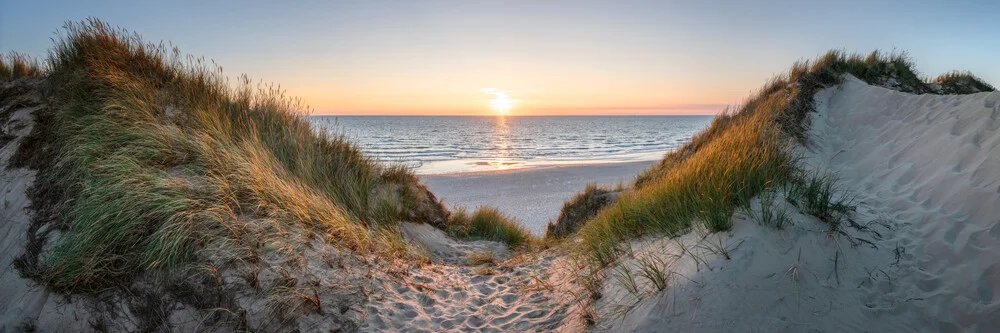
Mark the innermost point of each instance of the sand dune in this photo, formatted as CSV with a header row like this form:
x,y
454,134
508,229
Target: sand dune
x,y
923,253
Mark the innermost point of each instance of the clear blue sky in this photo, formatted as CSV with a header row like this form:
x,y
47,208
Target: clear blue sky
x,y
422,57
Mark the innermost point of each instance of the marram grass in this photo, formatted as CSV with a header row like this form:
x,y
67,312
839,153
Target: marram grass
x,y
158,155
15,65
488,223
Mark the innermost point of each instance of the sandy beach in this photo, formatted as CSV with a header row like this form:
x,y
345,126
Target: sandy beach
x,y
533,196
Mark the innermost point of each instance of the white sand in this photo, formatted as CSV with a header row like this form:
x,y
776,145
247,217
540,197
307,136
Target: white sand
x,y
925,170
533,196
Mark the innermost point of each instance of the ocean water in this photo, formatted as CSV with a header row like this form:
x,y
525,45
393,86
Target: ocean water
x,y
437,145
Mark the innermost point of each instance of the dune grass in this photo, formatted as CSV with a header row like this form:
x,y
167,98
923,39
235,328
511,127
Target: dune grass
x,y
742,153
815,194
158,155
961,82
488,223
15,65
581,208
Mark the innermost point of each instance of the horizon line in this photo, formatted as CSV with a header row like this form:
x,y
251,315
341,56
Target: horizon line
x,y
512,115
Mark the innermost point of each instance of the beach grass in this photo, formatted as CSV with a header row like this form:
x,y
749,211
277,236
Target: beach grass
x,y
961,82
16,65
488,223
816,194
156,154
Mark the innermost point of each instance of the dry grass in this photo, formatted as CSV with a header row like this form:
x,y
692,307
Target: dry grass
x,y
15,65
958,82
156,154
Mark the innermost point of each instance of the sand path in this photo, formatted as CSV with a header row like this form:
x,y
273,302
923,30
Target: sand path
x,y
527,293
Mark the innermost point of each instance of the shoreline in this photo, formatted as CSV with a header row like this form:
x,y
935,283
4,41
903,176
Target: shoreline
x,y
545,166
533,196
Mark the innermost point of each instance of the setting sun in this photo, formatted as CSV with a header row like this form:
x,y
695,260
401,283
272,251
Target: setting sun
x,y
501,102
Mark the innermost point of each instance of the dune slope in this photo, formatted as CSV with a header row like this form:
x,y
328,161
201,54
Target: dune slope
x,y
919,251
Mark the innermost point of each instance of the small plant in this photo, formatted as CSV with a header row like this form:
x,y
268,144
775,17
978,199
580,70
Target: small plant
x,y
626,279
768,214
654,270
698,260
719,248
816,195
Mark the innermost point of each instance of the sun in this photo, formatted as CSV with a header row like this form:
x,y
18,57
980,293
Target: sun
x,y
501,102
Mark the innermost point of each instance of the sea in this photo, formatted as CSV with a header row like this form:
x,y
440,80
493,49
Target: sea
x,y
455,144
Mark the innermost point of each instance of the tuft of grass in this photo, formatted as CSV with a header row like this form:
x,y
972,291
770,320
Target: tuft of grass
x,y
960,82
719,247
16,65
768,214
488,223
154,155
654,269
626,278
815,194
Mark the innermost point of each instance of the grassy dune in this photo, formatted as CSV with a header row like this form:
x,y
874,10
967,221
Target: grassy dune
x,y
745,152
960,82
154,155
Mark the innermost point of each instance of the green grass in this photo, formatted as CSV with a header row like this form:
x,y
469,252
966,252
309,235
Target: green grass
x,y
156,155
15,65
768,214
488,223
742,153
815,194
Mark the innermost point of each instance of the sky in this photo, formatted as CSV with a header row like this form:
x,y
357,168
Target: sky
x,y
528,57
